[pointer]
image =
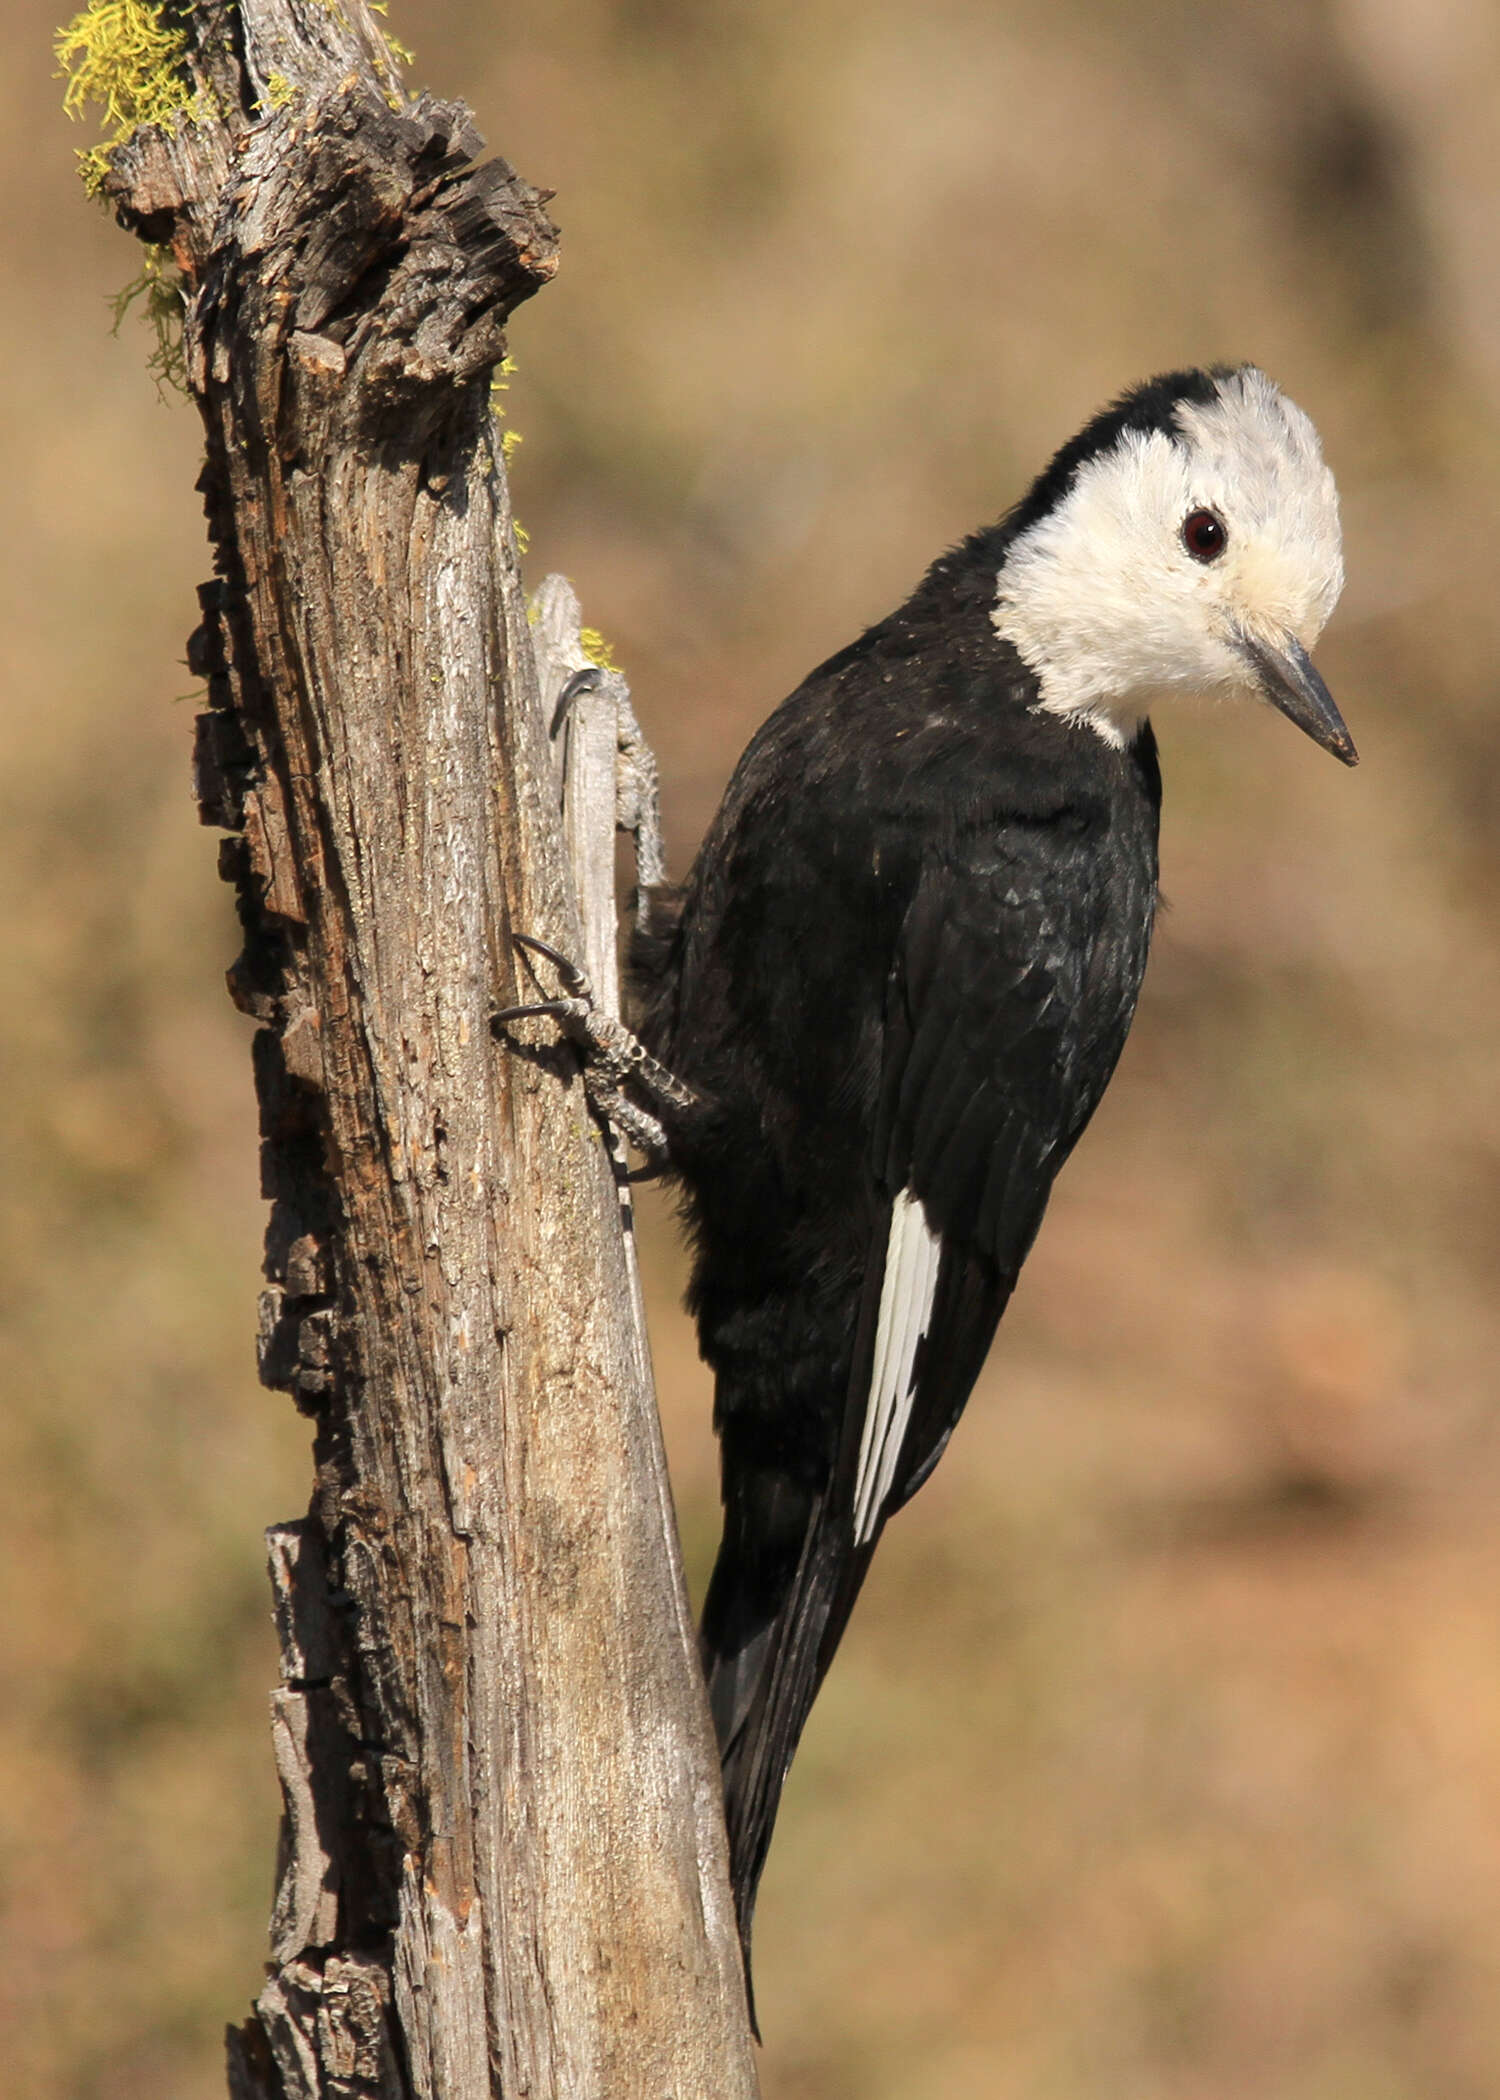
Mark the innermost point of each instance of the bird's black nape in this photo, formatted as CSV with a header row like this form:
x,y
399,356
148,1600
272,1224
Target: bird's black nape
x,y
1150,406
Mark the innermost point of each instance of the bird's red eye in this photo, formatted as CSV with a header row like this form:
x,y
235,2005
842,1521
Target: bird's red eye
x,y
1203,535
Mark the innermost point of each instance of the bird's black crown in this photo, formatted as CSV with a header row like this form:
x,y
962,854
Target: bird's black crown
x,y
1150,406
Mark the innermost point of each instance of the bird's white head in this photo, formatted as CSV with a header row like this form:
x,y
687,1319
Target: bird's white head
x,y
1187,541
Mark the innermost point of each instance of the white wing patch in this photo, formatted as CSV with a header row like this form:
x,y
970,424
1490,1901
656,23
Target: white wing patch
x,y
913,1253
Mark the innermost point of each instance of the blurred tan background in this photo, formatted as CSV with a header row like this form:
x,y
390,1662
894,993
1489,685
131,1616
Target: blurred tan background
x,y
1163,1759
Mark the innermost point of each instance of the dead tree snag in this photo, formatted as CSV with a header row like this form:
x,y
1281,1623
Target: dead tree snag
x,y
502,1863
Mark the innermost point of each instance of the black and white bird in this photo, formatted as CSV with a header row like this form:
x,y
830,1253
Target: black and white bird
x,y
899,976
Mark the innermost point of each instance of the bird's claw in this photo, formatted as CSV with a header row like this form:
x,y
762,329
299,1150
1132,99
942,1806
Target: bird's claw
x,y
588,680
572,976
613,1058
577,1006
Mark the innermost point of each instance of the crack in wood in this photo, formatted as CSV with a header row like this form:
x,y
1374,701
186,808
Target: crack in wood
x,y
502,1868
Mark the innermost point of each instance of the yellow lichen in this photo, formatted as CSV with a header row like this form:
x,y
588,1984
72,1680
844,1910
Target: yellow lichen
x,y
395,49
124,57
280,90
500,380
159,287
403,52
597,649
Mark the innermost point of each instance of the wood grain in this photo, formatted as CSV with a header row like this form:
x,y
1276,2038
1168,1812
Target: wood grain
x,y
503,1859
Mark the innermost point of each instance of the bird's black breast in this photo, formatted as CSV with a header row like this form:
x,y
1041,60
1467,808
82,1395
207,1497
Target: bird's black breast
x,y
907,956
911,864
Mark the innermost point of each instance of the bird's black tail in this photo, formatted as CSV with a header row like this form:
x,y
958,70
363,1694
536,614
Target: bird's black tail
x,y
782,1589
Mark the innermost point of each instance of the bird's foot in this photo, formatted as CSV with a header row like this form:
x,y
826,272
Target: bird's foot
x,y
614,1059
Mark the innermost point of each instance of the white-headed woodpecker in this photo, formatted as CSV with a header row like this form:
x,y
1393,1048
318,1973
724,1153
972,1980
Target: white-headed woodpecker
x,y
898,978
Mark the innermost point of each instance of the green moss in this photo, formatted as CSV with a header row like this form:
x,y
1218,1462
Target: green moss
x,y
125,58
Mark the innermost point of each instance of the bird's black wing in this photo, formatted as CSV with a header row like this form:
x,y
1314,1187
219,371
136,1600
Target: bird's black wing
x,y
1007,1005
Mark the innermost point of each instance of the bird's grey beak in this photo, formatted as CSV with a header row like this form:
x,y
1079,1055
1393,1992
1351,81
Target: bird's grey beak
x,y
1285,674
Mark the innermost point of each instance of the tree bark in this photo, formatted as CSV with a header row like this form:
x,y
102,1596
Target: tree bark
x,y
503,1865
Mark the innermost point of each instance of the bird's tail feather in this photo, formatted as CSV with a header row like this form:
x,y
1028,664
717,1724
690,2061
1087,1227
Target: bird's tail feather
x,y
763,1678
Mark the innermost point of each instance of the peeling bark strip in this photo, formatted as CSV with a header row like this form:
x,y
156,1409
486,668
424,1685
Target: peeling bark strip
x,y
502,1863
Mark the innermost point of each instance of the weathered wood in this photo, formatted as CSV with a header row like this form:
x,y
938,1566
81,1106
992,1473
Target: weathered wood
x,y
608,784
503,1863
606,775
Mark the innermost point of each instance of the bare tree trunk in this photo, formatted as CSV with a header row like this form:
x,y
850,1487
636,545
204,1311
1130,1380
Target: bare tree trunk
x,y
503,1864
